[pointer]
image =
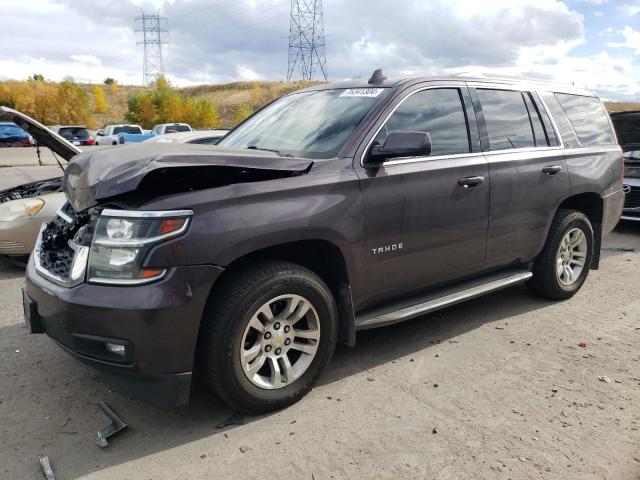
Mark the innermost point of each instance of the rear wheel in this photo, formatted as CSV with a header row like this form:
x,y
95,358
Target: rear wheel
x,y
563,265
268,333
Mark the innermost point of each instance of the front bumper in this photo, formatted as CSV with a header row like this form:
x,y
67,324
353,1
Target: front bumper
x,y
158,323
632,200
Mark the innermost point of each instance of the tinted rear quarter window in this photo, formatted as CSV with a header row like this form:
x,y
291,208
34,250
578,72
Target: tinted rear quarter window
x,y
506,118
440,113
127,129
588,119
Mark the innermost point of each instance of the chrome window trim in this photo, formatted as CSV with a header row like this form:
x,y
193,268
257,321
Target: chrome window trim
x,y
109,212
455,85
127,282
408,160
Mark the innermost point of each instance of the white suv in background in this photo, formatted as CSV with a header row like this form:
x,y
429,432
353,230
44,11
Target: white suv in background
x,y
164,128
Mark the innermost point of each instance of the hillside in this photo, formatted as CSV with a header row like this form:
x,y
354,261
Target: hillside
x,y
228,97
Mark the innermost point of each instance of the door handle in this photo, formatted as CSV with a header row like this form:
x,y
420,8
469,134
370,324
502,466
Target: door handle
x,y
552,169
469,182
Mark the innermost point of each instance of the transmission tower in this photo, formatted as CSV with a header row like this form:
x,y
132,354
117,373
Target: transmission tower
x,y
306,39
152,27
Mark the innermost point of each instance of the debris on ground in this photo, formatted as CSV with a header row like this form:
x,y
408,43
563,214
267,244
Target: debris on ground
x,y
235,419
46,467
583,344
114,427
604,378
244,448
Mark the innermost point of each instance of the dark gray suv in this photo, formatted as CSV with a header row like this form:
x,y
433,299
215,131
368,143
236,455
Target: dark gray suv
x,y
334,209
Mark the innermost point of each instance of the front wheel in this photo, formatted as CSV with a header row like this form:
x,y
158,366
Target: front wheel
x,y
268,333
563,265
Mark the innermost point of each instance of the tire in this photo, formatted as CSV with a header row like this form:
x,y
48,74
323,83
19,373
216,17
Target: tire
x,y
547,281
228,324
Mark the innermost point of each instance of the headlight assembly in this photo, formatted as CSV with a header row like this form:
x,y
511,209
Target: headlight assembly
x,y
23,208
121,240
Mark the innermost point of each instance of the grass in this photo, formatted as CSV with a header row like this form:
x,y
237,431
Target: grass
x,y
228,97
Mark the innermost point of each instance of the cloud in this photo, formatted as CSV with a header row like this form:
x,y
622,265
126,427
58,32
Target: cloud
x,y
630,9
85,59
213,41
631,40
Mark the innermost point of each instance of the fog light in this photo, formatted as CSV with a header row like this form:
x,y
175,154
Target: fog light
x,y
115,349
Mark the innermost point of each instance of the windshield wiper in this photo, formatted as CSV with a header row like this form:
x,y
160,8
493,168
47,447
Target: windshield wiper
x,y
278,152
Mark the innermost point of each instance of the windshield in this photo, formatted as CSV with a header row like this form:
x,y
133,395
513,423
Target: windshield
x,y
71,133
177,128
126,129
311,124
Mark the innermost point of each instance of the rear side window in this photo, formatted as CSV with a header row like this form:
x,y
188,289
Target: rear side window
x,y
588,119
127,129
506,118
439,112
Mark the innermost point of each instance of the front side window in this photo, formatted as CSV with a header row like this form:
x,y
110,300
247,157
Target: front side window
x,y
588,119
313,124
440,113
507,119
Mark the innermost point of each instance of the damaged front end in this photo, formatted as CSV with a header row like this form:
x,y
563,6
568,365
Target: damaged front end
x,y
150,171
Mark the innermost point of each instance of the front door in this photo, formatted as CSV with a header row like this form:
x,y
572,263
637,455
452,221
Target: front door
x,y
426,217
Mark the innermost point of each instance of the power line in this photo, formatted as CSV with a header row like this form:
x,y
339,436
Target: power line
x,y
306,39
152,27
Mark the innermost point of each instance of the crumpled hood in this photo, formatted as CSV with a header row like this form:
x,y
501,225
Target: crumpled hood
x,y
96,175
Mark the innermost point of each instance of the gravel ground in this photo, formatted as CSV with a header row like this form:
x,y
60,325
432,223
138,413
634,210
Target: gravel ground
x,y
494,388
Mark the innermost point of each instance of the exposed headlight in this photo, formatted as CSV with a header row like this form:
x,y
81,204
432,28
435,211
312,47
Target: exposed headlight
x,y
122,239
20,209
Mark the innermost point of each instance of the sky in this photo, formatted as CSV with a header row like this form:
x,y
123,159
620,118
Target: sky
x,y
590,43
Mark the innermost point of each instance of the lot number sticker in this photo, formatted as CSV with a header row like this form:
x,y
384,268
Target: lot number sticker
x,y
362,92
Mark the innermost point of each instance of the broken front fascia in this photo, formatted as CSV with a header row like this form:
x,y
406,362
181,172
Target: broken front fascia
x,y
98,175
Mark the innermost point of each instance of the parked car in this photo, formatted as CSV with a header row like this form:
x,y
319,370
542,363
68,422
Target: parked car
x,y
201,137
11,135
120,134
627,125
165,128
23,208
76,134
21,219
250,259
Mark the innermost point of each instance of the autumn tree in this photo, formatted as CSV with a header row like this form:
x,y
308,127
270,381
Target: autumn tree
x,y
100,101
48,102
165,104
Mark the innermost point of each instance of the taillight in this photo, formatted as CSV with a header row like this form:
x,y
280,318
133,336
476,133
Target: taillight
x,y
90,141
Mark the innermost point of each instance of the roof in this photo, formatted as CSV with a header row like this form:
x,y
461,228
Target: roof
x,y
486,78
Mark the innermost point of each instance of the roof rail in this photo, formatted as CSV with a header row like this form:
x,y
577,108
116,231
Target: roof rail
x,y
508,78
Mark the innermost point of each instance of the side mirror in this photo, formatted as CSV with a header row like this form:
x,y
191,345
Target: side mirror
x,y
402,144
100,133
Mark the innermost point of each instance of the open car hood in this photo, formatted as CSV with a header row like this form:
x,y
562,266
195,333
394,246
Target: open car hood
x,y
627,125
155,169
42,134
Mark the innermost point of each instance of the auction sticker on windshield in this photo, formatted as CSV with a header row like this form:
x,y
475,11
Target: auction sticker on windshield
x,y
362,92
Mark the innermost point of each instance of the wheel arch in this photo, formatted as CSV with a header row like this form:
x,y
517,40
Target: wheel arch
x,y
592,206
324,258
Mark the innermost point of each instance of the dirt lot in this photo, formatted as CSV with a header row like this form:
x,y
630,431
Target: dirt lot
x,y
495,388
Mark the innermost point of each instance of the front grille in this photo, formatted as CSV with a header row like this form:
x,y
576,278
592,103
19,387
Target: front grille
x,y
632,198
54,251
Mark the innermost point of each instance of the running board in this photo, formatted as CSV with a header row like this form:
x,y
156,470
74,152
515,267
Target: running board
x,y
411,308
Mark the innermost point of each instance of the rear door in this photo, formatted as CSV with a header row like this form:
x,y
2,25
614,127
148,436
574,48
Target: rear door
x,y
528,172
424,225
